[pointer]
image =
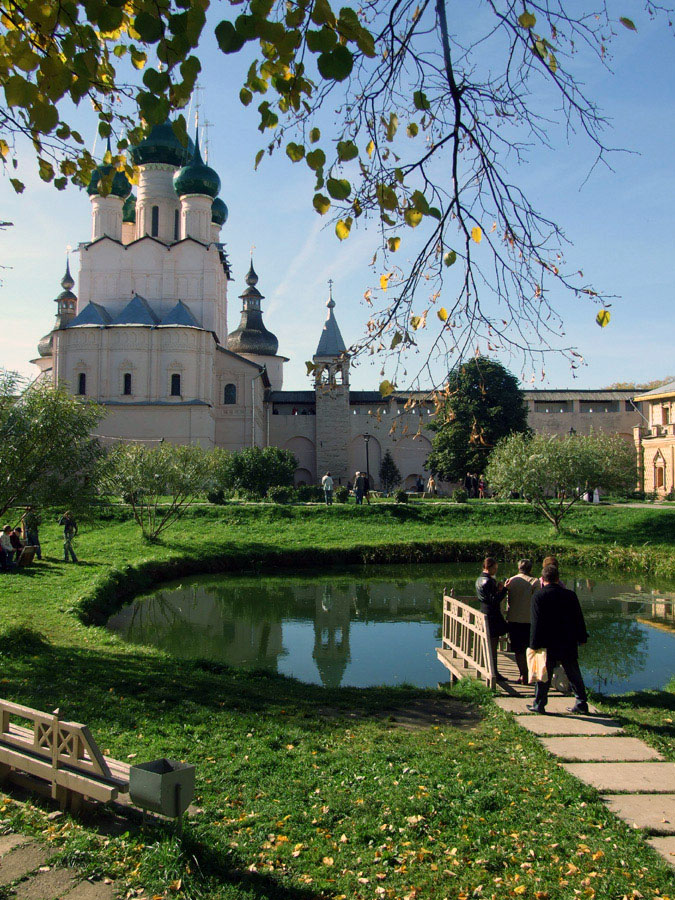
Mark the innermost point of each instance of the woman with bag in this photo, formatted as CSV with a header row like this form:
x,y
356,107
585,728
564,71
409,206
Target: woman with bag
x,y
490,594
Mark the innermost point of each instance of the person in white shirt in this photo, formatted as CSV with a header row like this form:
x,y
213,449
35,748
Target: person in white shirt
x,y
6,549
327,485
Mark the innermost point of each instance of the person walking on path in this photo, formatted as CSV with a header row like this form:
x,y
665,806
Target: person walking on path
x,y
490,594
520,591
468,487
359,487
558,627
481,488
431,486
30,522
69,526
366,488
327,485
474,486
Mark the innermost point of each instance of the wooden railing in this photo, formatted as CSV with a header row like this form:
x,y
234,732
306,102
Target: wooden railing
x,y
466,642
63,754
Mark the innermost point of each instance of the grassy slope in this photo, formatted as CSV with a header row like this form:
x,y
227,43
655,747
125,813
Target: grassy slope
x,y
429,814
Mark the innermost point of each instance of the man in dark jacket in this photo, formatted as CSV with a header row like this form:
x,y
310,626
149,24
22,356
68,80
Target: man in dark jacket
x,y
490,594
558,627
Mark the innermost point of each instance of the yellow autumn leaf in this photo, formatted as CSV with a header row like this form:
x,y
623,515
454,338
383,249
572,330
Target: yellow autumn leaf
x,y
442,314
328,860
477,234
343,228
603,317
370,148
394,243
412,217
416,321
384,281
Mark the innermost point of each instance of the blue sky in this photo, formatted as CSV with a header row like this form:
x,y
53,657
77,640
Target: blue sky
x,y
620,224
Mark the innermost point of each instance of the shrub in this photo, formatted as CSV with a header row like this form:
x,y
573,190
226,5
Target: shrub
x,y
342,494
670,495
217,497
281,493
401,496
253,471
638,495
310,493
460,496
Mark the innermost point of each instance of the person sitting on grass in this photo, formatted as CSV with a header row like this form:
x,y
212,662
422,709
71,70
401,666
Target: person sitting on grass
x,y
17,543
490,593
6,550
558,627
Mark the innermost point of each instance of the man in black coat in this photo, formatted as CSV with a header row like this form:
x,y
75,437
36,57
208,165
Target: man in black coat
x,y
490,593
558,627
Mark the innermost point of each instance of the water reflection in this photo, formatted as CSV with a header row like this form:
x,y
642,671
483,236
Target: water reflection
x,y
380,627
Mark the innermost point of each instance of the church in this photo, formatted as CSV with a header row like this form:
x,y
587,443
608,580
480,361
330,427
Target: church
x,y
146,336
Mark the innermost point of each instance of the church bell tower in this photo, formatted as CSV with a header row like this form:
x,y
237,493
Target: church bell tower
x,y
331,386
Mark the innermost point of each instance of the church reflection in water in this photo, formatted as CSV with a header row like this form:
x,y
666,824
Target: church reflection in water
x,y
244,627
341,629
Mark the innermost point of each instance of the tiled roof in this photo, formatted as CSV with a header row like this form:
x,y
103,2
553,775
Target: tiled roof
x,y
136,312
180,315
92,314
658,392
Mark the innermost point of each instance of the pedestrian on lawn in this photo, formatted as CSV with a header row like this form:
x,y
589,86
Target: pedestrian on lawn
x,y
327,485
69,525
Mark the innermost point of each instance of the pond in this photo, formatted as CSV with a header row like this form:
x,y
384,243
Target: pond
x,y
359,627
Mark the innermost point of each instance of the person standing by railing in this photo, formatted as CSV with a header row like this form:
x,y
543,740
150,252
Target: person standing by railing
x,y
521,589
490,593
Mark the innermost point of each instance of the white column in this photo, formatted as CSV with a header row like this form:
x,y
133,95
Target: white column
x,y
106,217
196,217
155,188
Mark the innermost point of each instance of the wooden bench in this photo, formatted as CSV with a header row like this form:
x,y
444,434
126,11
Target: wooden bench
x,y
62,755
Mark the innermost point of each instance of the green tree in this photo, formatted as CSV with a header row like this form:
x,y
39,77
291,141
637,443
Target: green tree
x,y
47,454
426,118
553,473
254,471
390,477
54,55
159,483
483,403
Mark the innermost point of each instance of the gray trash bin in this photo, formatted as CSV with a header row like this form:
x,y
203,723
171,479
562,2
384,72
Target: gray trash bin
x,y
164,786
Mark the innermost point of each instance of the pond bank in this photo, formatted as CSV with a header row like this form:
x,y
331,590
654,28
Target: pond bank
x,y
279,784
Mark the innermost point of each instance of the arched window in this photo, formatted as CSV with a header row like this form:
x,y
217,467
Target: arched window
x,y
154,228
82,384
175,385
127,384
176,225
230,394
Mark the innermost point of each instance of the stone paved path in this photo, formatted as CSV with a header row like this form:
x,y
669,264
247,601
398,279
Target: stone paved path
x,y
636,784
24,869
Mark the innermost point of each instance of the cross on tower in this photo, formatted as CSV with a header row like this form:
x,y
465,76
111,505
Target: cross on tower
x,y
205,129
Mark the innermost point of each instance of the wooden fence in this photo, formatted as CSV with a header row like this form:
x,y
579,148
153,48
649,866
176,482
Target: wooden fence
x,y
465,649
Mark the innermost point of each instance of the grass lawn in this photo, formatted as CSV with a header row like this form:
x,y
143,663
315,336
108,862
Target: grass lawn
x,y
307,792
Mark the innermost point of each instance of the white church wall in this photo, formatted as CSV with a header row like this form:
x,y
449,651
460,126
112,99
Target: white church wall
x,y
176,424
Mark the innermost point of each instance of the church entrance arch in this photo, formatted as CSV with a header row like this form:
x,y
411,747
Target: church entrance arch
x,y
305,453
357,458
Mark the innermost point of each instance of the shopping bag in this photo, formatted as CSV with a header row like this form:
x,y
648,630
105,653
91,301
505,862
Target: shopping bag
x,y
560,681
536,665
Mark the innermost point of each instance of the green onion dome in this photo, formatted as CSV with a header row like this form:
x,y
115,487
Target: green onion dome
x,y
162,146
196,177
121,186
129,209
219,212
